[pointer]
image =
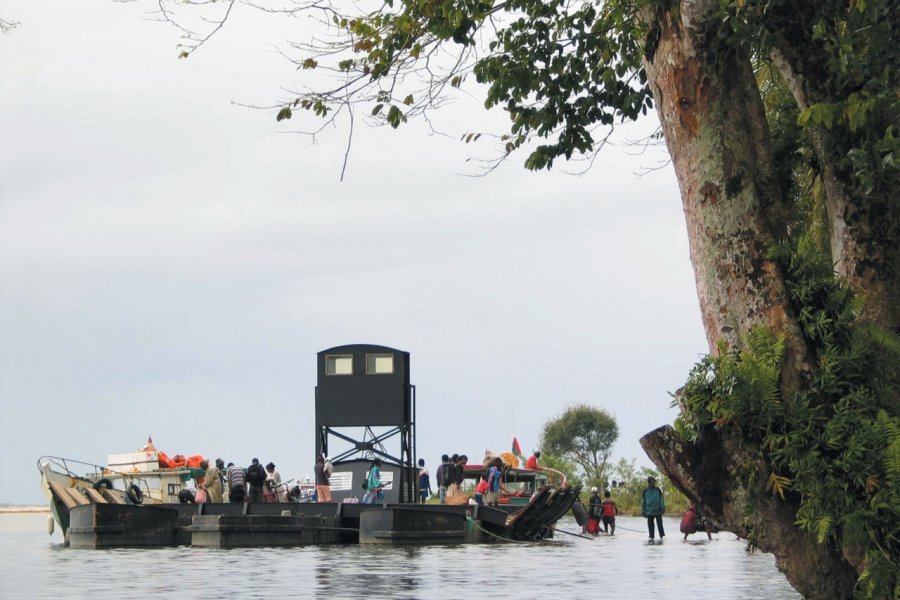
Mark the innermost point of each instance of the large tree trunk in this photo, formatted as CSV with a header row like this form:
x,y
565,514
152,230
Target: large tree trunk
x,y
715,127
864,228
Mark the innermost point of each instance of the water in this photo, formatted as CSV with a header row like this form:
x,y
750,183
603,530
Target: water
x,y
36,565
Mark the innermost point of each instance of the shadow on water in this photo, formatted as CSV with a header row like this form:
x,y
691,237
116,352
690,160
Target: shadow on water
x,y
624,566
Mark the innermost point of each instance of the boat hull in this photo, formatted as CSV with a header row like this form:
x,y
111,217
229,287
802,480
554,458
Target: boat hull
x,y
121,525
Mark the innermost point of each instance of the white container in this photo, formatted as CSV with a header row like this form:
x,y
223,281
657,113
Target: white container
x,y
134,462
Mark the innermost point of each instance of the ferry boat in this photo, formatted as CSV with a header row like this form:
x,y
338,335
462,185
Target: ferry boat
x,y
146,476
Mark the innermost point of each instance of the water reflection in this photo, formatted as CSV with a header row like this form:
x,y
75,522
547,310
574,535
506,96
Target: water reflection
x,y
621,566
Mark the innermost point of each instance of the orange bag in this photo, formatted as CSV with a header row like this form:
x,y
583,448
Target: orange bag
x,y
194,461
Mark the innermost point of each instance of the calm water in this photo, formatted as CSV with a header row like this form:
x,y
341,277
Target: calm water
x,y
35,565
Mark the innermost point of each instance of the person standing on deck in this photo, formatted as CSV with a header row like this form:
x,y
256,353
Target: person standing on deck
x,y
323,483
459,473
492,496
450,475
532,462
441,475
653,505
256,479
274,479
212,481
220,466
481,489
374,486
236,484
424,482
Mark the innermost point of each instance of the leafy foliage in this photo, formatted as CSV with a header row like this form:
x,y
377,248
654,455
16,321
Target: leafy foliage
x,y
630,483
852,51
832,448
583,435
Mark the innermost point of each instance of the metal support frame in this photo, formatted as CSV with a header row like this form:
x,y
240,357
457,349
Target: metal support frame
x,y
372,445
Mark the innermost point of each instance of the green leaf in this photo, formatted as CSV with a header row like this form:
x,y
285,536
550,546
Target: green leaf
x,y
284,113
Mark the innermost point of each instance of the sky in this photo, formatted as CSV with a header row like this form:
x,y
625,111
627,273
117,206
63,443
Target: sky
x,y
172,261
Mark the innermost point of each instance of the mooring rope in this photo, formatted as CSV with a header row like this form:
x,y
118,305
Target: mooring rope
x,y
501,538
572,533
626,529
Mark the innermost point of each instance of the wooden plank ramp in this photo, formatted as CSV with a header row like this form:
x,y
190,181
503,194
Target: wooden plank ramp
x,y
113,497
77,497
96,497
61,493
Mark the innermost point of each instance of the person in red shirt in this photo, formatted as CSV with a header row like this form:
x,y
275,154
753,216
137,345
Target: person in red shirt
x,y
608,510
532,462
481,489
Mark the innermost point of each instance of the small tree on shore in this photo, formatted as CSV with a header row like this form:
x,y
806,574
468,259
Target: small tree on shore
x,y
583,435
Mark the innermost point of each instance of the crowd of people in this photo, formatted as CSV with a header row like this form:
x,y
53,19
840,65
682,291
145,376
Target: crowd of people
x,y
255,483
450,474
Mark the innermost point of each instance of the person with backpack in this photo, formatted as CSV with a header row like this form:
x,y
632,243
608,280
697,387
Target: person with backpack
x,y
441,476
653,505
608,512
450,475
256,480
492,496
424,482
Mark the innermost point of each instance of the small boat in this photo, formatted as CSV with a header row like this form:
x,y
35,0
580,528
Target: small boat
x,y
146,476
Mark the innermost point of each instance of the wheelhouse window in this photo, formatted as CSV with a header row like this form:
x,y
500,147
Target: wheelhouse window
x,y
379,364
339,364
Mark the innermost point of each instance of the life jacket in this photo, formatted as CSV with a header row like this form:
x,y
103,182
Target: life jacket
x,y
608,509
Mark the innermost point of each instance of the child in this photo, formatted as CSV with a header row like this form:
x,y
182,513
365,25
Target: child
x,y
480,490
609,510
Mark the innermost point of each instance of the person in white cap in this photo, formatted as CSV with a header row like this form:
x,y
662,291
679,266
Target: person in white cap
x,y
594,513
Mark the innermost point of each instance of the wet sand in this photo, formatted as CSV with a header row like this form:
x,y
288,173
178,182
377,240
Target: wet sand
x,y
17,510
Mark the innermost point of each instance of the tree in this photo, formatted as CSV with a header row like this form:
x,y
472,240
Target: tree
x,y
802,378
583,435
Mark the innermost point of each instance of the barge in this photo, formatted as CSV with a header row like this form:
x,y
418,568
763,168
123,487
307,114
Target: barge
x,y
139,501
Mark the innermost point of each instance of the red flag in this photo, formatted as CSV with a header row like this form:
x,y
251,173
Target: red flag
x,y
516,449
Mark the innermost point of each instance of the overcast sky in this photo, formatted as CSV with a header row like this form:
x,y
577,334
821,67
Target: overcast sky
x,y
171,263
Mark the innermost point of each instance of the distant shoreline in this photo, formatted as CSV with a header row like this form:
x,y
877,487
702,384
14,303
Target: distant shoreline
x,y
14,510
